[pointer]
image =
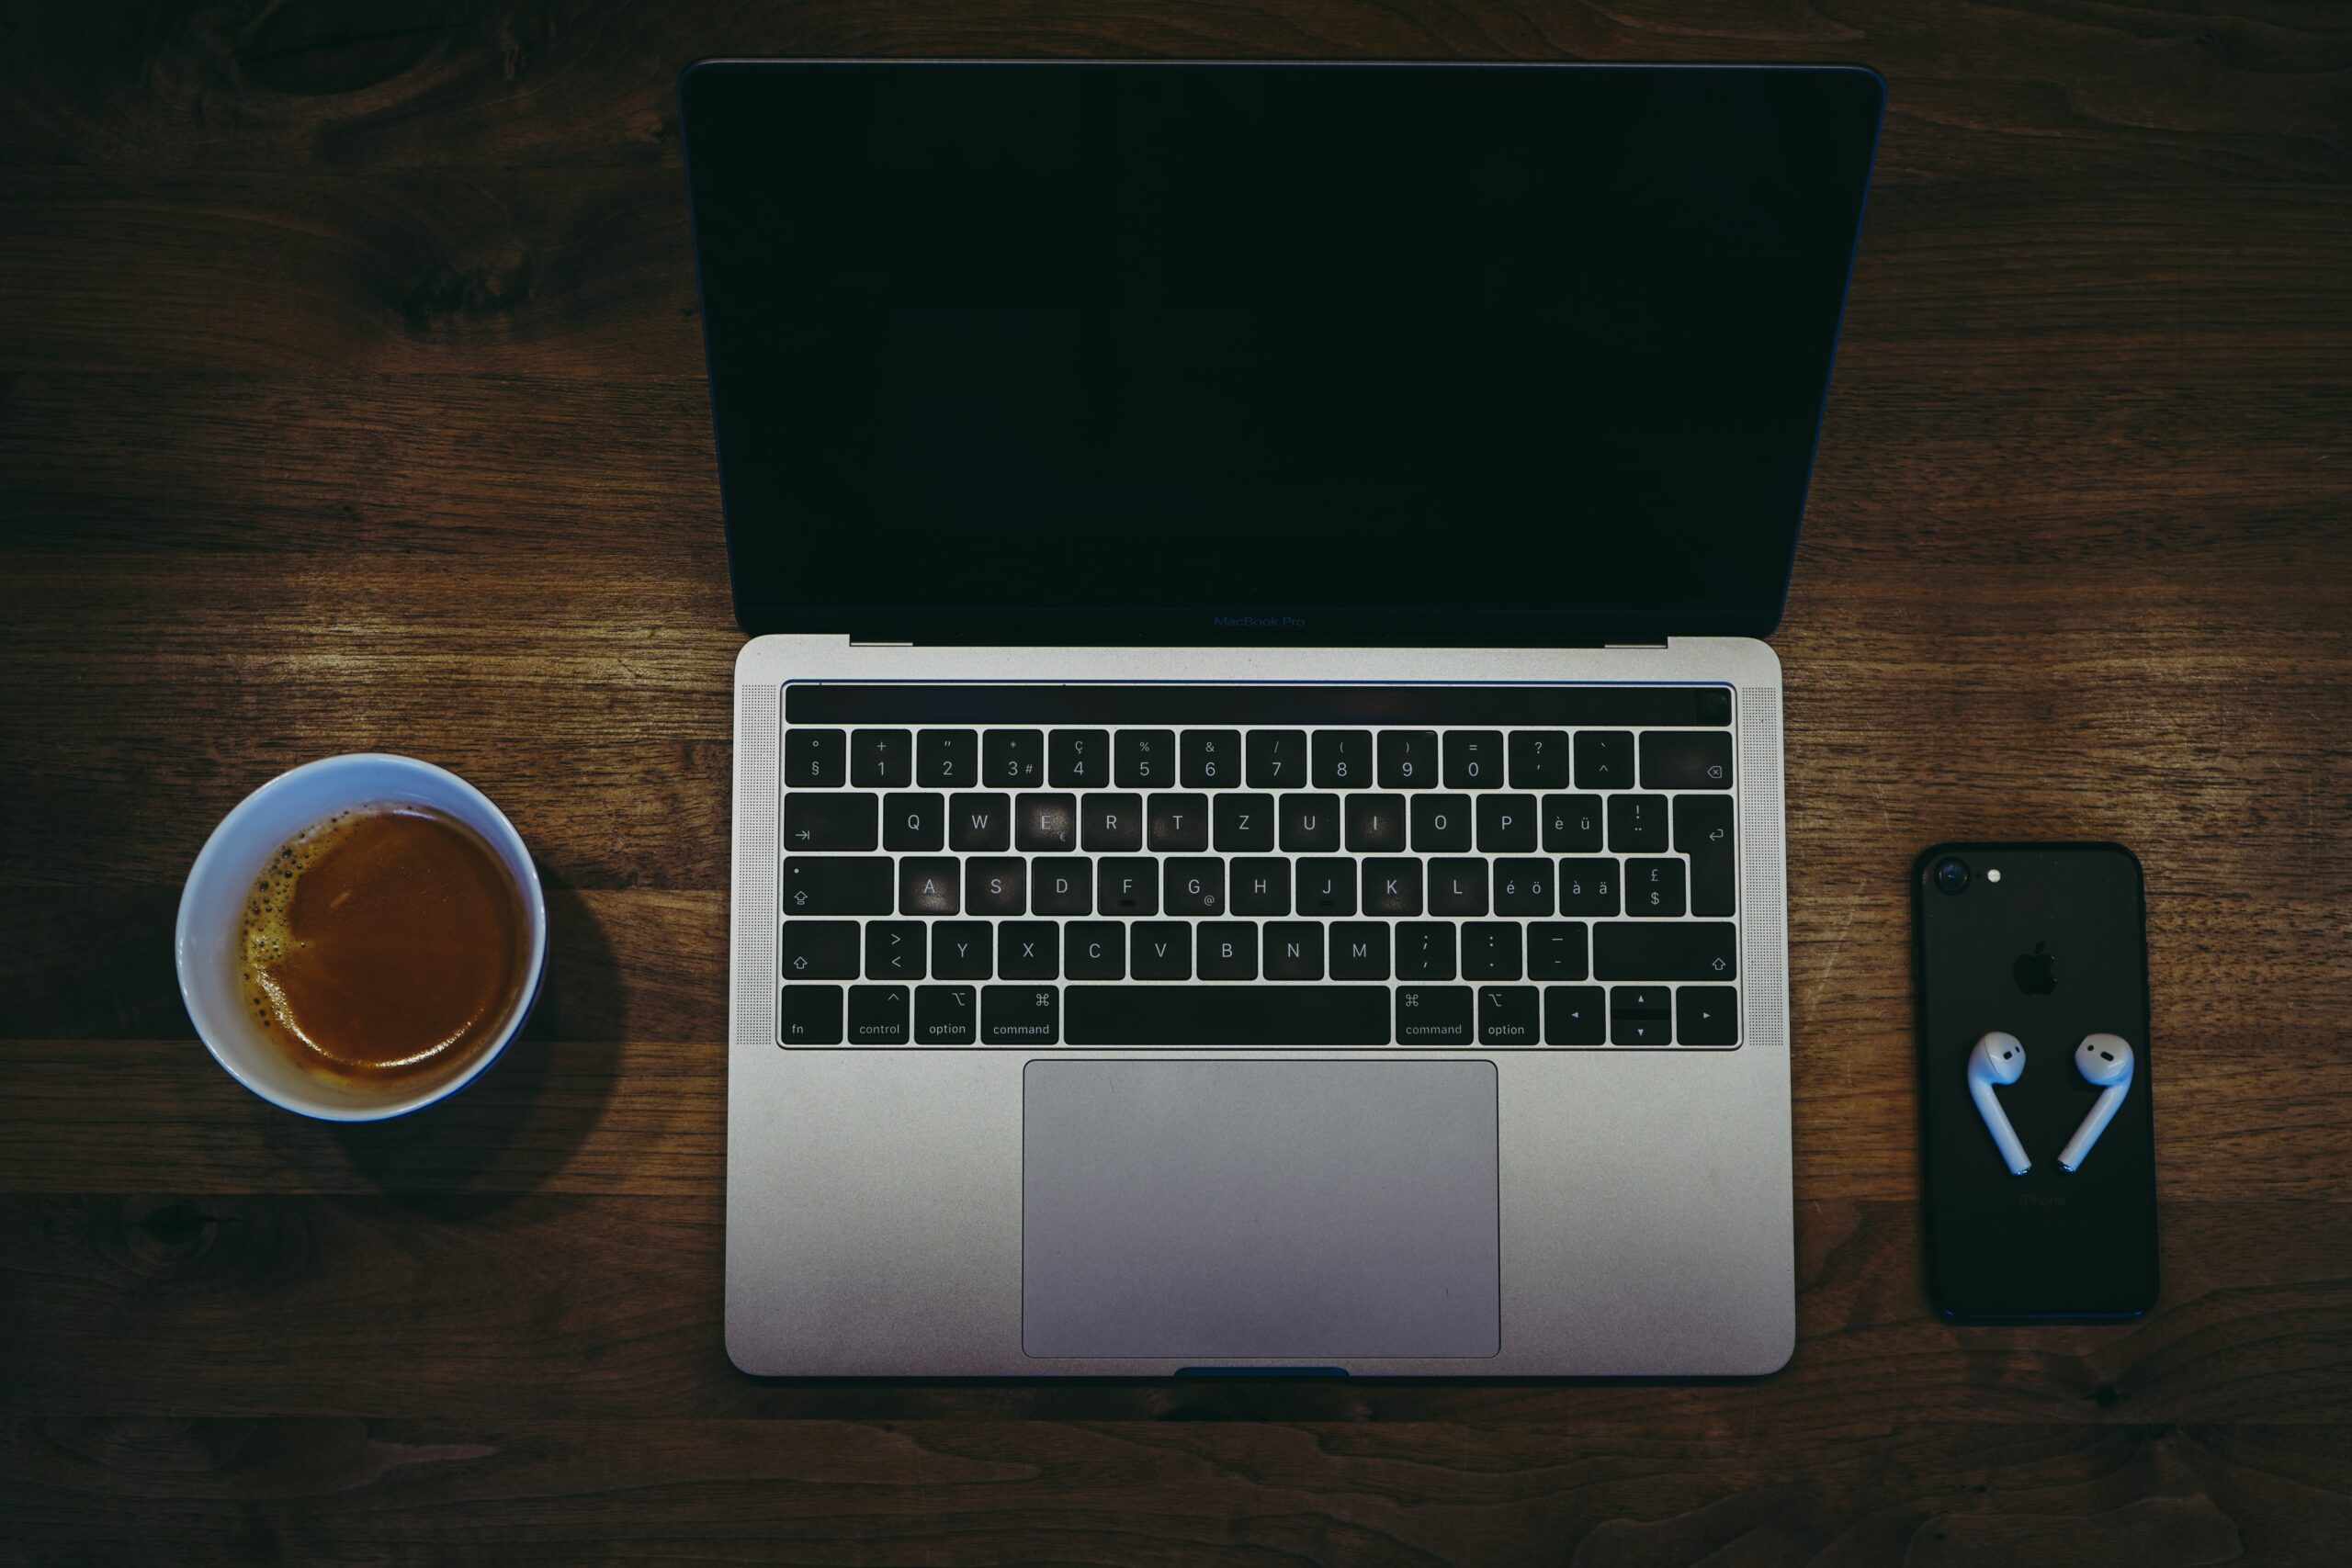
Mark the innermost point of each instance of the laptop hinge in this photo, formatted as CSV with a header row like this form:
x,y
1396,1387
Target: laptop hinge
x,y
1659,643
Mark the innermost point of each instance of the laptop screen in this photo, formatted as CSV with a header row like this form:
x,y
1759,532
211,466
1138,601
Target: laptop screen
x,y
1203,352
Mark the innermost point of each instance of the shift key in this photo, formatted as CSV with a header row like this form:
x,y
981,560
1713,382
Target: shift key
x,y
837,884
1665,950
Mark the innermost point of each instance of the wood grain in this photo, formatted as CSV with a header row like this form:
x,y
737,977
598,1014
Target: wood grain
x,y
350,397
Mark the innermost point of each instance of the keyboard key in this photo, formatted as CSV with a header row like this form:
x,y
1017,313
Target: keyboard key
x,y
1094,950
1555,950
828,821
929,887
1375,822
809,1015
1272,1016
1571,824
1505,824
1045,824
1686,759
1195,885
1636,824
1127,885
1408,759
1522,887
815,759
879,1015
1310,823
820,950
1509,1015
1359,949
1654,886
1294,950
1637,1030
1441,823
882,759
1229,950
1604,759
1327,886
1457,888
1245,823
946,1015
1111,823
1012,759
946,758
1277,759
825,885
1061,888
1027,950
1433,1015
1342,758
979,822
1707,1015
893,950
1677,950
1210,758
1539,759
1392,887
1474,759
1163,950
1425,951
1020,1015
1572,1016
996,885
1589,887
1702,830
1144,759
1079,759
911,821
1490,949
1176,823
1261,886
961,950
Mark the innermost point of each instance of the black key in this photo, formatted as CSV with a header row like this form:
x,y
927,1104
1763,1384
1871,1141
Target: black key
x,y
1375,822
1522,887
1012,759
1195,885
929,887
1604,759
1020,1015
880,759
809,1015
1457,888
1555,950
1261,886
1392,887
1425,951
1474,759
1061,888
1589,887
1127,885
961,950
1408,759
879,1015
1441,823
1163,950
1176,823
946,1015
1027,950
1079,759
1679,950
1111,823
1686,759
1639,1001
1707,1015
823,885
1359,949
1636,824
820,950
913,821
828,821
1210,758
1327,886
1277,759
1094,950
1294,949
1045,824
893,952
815,759
1310,823
1146,759
1244,1016
1229,950
1505,824
1571,824
1509,1015
1654,886
979,822
1245,823
1342,758
1640,1015
946,758
1432,1015
996,885
1490,949
1539,759
1574,1015
1702,830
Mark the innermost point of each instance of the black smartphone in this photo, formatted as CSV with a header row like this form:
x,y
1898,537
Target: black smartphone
x,y
2047,943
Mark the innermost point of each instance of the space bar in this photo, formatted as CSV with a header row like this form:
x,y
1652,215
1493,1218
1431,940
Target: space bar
x,y
1225,1015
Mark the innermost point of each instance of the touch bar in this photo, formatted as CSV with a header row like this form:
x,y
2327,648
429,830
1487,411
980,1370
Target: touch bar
x,y
1260,1016
814,701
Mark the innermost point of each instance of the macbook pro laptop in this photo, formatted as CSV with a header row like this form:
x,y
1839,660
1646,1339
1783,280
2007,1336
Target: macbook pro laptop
x,y
1257,812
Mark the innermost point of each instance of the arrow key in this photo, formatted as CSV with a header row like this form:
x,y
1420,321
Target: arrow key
x,y
1707,1015
1572,1015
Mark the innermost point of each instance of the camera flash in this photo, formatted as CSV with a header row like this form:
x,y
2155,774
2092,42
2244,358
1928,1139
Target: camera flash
x,y
1992,875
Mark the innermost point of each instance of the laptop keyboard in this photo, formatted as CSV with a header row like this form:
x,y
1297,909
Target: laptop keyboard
x,y
1490,867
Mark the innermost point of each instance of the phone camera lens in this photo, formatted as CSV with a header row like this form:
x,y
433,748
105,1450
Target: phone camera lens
x,y
1952,874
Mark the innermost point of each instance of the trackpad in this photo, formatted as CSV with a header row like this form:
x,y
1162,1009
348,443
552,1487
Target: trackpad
x,y
1222,1209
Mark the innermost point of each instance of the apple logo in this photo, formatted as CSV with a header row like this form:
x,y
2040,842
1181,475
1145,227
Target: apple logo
x,y
2036,971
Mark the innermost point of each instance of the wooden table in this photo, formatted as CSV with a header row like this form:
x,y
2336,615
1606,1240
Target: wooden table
x,y
351,397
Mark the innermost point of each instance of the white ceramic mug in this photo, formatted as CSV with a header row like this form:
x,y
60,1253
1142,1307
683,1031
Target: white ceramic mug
x,y
212,904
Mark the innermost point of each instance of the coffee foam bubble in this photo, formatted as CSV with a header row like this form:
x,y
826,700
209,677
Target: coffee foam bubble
x,y
265,934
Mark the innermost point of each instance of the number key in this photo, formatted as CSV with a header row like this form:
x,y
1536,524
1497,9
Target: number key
x,y
1212,758
1014,759
1342,758
1408,759
1474,759
1277,759
1144,759
882,759
1080,758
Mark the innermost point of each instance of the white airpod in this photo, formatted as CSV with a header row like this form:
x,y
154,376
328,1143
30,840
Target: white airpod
x,y
1999,1059
2105,1060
